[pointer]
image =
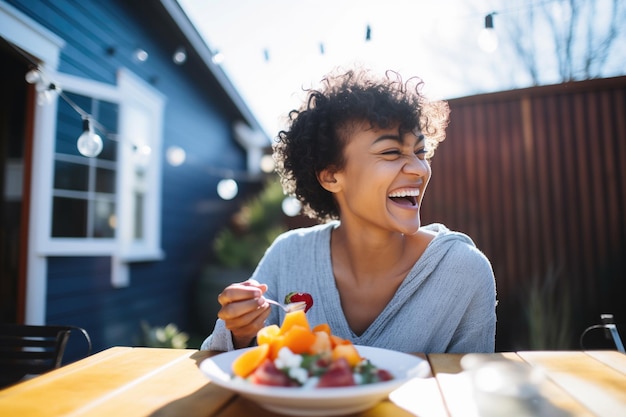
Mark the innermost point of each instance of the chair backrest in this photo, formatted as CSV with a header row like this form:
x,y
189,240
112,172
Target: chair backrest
x,y
32,350
610,332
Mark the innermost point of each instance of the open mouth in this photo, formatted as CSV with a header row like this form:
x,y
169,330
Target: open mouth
x,y
405,197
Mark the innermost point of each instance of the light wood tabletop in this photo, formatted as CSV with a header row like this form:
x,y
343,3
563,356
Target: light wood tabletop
x,y
134,381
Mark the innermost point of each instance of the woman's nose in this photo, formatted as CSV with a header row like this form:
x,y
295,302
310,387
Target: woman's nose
x,y
415,165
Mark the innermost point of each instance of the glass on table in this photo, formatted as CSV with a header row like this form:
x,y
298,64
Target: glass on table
x,y
503,387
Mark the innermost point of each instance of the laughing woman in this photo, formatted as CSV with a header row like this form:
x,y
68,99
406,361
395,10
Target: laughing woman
x,y
357,155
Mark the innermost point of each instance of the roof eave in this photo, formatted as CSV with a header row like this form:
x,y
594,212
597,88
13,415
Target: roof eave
x,y
204,52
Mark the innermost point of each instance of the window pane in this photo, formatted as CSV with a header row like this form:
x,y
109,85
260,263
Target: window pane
x,y
86,217
105,181
108,117
138,232
70,217
69,176
104,219
70,124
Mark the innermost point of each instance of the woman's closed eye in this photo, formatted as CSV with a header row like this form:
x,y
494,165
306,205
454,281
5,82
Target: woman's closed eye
x,y
421,153
392,152
397,152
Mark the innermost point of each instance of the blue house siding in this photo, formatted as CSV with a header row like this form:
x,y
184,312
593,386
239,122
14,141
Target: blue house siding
x,y
198,117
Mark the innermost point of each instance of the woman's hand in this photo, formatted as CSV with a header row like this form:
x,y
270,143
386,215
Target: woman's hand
x,y
244,310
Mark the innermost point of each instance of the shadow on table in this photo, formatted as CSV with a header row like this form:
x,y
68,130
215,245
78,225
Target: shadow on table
x,y
201,355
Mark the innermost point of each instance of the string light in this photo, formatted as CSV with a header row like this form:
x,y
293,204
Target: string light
x,y
89,143
175,156
46,90
180,56
267,164
141,55
217,58
487,38
291,206
227,188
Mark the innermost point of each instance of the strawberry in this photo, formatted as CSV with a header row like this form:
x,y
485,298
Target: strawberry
x,y
293,297
339,374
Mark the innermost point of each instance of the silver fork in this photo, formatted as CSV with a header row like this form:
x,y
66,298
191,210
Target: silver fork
x,y
288,308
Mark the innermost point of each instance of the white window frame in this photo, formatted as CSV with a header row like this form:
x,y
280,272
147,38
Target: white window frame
x,y
141,124
136,99
56,246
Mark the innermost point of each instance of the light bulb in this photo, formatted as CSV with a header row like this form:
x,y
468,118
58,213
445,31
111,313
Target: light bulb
x,y
142,157
217,58
141,55
180,56
267,164
175,156
227,189
46,95
33,76
487,38
89,143
291,206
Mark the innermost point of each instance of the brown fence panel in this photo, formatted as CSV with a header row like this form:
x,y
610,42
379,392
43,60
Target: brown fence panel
x,y
537,177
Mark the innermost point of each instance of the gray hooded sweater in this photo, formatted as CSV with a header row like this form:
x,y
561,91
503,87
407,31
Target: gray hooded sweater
x,y
446,303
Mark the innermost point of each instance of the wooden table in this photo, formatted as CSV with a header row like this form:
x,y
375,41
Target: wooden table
x,y
128,382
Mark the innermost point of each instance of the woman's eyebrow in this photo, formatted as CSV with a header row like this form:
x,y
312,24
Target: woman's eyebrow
x,y
396,138
388,137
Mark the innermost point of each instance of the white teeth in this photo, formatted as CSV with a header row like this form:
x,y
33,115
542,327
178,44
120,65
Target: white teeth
x,y
405,193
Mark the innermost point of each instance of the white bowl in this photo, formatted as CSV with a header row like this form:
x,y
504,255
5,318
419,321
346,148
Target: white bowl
x,y
321,401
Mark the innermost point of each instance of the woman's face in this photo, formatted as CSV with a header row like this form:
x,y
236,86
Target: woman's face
x,y
384,179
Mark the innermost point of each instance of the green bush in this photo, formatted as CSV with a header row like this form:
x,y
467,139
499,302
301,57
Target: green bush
x,y
254,228
164,337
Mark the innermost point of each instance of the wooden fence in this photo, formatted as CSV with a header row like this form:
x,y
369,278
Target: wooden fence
x,y
537,177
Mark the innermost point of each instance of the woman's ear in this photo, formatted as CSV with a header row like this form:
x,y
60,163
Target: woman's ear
x,y
327,180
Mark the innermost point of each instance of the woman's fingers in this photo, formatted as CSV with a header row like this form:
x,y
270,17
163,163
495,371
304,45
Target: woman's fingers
x,y
244,327
235,309
244,310
241,291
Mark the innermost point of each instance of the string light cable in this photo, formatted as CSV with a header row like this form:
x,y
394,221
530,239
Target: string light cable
x,y
89,143
487,37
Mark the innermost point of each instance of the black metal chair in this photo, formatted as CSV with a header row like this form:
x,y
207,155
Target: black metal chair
x,y
27,350
610,332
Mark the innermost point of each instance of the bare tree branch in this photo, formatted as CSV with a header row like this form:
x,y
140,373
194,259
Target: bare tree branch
x,y
581,46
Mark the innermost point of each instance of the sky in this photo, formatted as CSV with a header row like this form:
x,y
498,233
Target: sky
x,y
272,49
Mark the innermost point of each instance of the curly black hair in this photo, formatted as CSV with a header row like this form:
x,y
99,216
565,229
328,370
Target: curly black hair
x,y
318,131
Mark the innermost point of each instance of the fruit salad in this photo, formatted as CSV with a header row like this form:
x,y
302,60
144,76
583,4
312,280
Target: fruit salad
x,y
296,355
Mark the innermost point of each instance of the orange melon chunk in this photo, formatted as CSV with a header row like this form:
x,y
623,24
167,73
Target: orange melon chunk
x,y
322,343
348,352
299,339
249,360
276,344
323,327
336,340
267,334
294,318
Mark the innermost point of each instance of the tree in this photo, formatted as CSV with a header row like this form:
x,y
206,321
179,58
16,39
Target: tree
x,y
578,36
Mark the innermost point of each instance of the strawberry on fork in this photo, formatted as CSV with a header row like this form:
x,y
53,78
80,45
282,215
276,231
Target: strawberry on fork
x,y
293,297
